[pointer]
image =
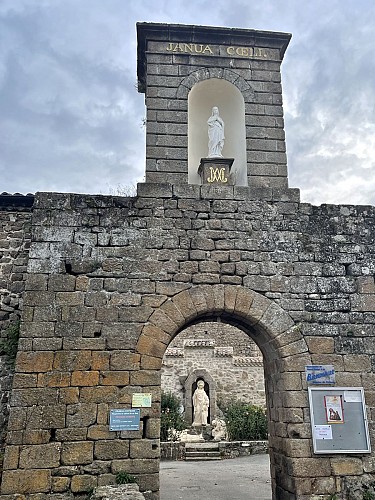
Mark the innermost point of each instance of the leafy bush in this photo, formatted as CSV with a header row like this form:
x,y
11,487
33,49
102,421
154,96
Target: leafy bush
x,y
171,417
245,422
124,478
9,344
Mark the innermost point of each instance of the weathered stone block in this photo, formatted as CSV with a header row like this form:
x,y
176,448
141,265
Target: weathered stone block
x,y
54,379
150,362
149,482
11,457
77,453
61,283
71,434
85,378
30,362
319,345
26,481
357,363
68,361
156,333
144,448
346,466
46,417
150,346
111,450
309,467
81,415
124,360
99,394
100,360
60,484
83,483
99,432
145,377
23,380
118,378
40,456
68,395
136,466
31,397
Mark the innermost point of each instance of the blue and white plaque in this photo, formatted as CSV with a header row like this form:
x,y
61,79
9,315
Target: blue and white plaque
x,y
320,374
124,420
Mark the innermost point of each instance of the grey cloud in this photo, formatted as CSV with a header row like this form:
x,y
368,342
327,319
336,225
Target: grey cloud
x,y
70,115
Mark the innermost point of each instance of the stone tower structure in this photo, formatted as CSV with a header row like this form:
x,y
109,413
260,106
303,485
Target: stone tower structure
x,y
111,281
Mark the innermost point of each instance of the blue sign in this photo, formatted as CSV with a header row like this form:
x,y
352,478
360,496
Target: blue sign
x,y
124,420
320,374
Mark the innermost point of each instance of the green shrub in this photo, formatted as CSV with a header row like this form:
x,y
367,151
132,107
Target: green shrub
x,y
124,478
9,344
171,417
245,422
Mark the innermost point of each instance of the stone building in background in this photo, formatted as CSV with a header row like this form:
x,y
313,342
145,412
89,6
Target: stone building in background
x,y
112,281
220,353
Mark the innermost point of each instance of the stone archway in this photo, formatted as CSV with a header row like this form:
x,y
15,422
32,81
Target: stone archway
x,y
285,355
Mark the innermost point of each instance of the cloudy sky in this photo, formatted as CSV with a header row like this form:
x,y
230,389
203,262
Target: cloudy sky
x,y
71,117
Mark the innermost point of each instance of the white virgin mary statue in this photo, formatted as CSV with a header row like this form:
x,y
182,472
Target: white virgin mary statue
x,y
215,134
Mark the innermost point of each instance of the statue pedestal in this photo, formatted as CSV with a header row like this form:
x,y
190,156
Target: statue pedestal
x,y
216,171
197,434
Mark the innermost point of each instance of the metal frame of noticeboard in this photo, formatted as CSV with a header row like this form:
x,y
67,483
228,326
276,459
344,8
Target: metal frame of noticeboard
x,y
339,420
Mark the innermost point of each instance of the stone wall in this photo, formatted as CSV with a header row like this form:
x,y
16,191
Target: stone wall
x,y
15,237
112,280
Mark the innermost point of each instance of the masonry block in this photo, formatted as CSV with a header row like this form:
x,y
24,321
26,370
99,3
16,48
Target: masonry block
x,y
77,453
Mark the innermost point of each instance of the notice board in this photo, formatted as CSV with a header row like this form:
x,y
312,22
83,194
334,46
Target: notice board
x,y
339,420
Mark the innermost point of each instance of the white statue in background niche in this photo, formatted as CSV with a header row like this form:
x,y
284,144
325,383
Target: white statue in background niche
x,y
201,404
215,134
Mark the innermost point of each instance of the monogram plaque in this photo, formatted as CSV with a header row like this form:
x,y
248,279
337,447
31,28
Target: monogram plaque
x,y
216,171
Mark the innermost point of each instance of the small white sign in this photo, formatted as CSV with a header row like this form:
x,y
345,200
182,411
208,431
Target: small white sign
x,y
323,431
352,397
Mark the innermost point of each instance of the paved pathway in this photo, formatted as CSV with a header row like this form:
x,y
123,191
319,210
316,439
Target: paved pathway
x,y
233,479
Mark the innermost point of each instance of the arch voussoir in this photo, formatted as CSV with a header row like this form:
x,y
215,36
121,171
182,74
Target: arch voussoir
x,y
184,303
258,307
198,298
244,300
170,309
201,74
218,296
230,296
275,318
162,320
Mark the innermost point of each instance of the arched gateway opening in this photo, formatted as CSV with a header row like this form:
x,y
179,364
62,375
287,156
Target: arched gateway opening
x,y
285,355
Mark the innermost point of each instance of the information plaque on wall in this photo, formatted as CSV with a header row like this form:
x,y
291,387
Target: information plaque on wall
x,y
339,420
141,400
124,420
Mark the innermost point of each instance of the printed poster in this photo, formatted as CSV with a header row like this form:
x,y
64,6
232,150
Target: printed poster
x,y
334,409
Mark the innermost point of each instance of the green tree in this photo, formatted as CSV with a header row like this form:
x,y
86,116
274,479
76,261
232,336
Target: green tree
x,y
171,417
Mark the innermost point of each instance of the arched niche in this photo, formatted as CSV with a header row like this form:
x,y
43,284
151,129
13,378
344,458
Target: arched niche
x,y
202,98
